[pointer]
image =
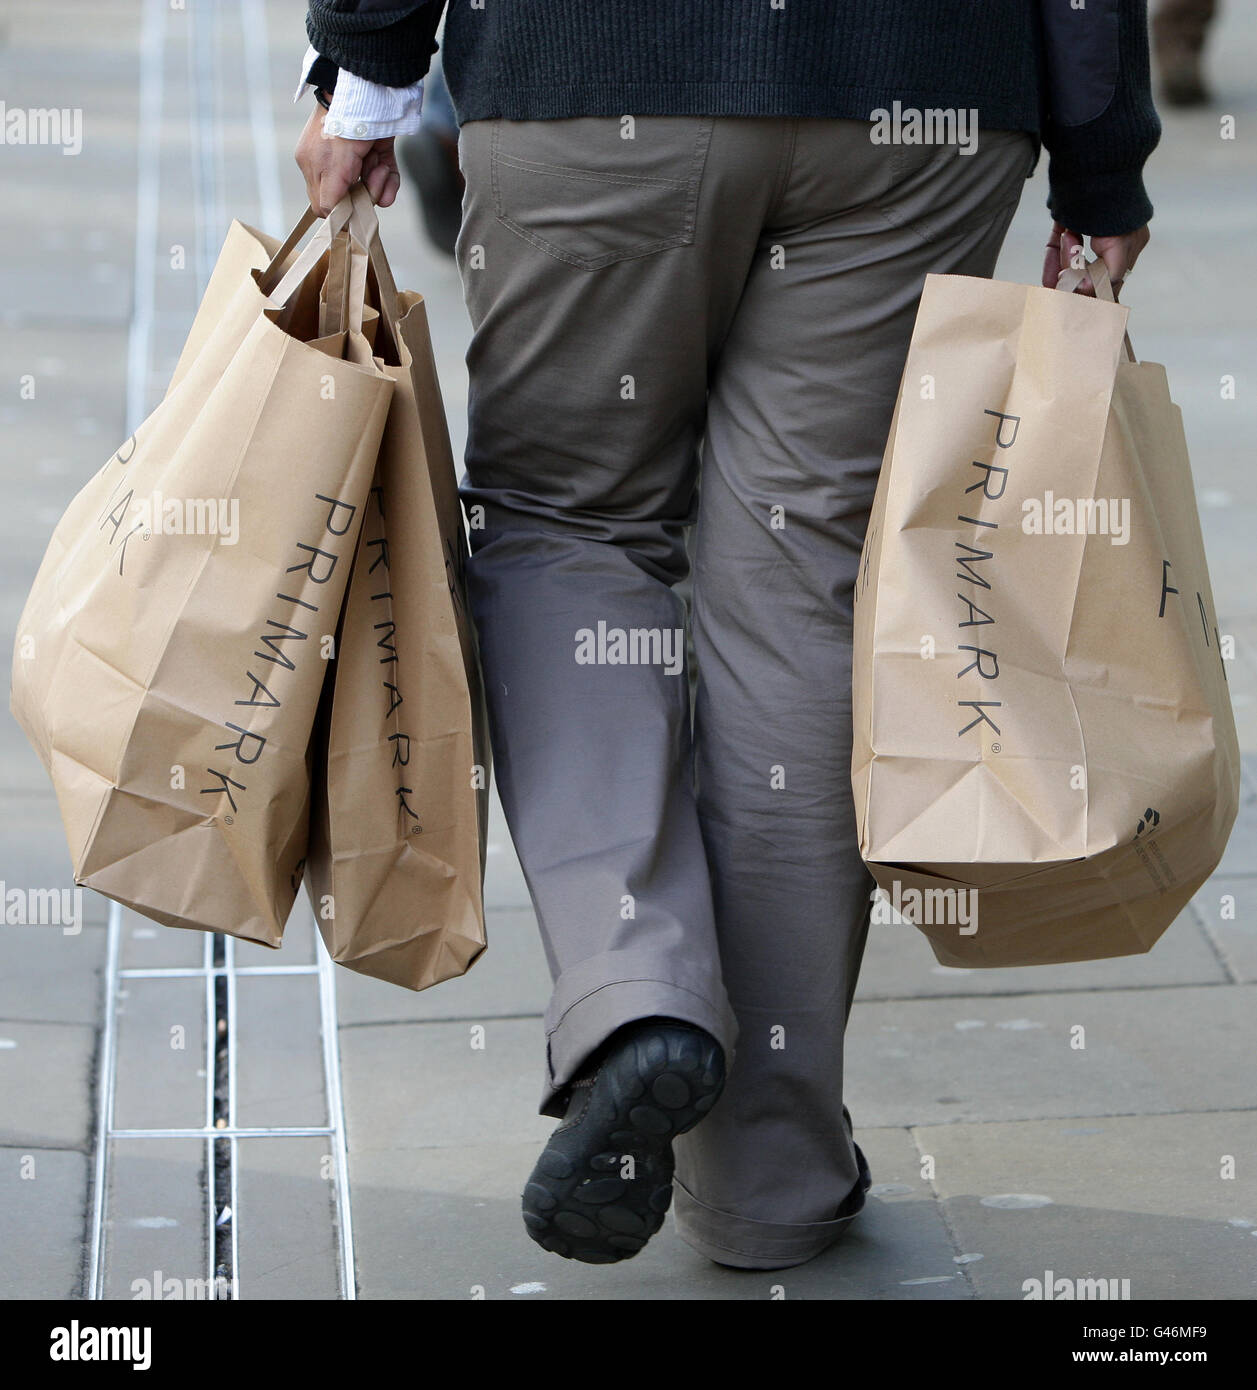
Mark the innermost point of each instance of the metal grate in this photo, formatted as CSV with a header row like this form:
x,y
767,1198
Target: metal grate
x,y
219,1129
205,32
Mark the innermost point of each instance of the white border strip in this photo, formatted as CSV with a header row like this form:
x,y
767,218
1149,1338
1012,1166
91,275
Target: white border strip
x,y
336,1119
148,183
262,112
139,343
139,351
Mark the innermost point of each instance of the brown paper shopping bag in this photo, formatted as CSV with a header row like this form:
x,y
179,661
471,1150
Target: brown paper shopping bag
x,y
399,813
1045,763
170,656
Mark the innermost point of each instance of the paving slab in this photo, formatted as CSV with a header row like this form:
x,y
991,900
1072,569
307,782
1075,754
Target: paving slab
x,y
287,1230
939,1061
35,854
1240,858
1227,909
157,1226
24,774
279,1051
149,945
509,979
1140,1198
300,938
43,1201
1242,669
63,425
504,882
899,964
48,977
419,1085
445,1224
161,1080
45,1084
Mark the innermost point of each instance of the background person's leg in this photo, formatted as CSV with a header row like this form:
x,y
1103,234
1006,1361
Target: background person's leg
x,y
599,272
800,406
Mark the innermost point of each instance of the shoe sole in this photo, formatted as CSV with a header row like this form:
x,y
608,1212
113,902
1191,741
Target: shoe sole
x,y
600,1189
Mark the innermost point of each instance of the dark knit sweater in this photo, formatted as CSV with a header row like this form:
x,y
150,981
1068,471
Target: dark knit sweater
x,y
1078,80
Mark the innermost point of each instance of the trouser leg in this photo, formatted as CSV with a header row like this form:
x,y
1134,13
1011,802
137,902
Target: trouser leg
x,y
595,269
800,406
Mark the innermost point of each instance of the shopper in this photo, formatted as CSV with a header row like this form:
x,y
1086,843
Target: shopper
x,y
700,232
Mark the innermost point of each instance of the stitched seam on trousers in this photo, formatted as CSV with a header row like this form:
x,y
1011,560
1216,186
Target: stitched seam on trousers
x,y
612,984
592,175
698,164
930,237
783,170
590,262
690,185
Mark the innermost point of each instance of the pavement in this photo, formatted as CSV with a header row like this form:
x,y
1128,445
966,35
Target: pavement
x,y
997,1150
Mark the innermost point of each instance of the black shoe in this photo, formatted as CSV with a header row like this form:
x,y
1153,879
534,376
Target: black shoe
x,y
601,1187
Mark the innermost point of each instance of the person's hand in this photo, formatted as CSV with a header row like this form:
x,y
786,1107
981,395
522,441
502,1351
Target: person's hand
x,y
1119,254
332,166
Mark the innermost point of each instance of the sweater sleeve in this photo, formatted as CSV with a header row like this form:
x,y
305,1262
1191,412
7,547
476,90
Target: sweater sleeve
x,y
388,42
1100,124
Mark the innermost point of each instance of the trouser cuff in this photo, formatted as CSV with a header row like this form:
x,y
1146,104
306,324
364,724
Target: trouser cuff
x,y
746,1244
588,1022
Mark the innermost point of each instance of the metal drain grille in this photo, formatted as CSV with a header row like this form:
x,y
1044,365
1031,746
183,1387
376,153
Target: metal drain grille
x,y
220,1133
191,44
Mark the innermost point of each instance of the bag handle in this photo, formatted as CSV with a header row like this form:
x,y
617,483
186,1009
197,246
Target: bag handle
x,y
1098,273
342,305
279,260
334,298
356,213
366,223
314,251
280,271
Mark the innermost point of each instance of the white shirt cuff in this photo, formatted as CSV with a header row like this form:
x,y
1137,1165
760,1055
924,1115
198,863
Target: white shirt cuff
x,y
363,110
